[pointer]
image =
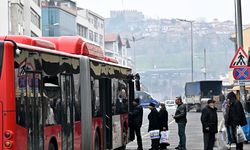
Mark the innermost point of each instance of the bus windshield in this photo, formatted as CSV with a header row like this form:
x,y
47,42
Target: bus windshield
x,y
1,57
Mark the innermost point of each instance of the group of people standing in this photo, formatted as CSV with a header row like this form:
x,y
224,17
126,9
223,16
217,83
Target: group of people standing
x,y
158,120
234,117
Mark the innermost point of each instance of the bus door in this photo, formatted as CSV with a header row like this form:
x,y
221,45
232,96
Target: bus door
x,y
105,97
67,111
34,110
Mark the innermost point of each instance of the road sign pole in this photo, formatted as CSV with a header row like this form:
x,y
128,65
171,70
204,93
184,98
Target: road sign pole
x,y
238,20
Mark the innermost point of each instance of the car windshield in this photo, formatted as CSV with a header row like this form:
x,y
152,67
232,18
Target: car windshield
x,y
1,57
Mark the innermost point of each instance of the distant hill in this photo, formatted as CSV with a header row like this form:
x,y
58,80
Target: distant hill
x,y
165,43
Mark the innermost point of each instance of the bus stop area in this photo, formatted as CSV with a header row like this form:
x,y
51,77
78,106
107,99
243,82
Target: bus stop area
x,y
194,135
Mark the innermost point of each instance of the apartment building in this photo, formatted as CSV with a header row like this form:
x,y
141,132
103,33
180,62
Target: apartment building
x,y
59,17
23,17
90,26
117,47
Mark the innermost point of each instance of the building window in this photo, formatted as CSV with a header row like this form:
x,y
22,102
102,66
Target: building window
x,y
35,18
96,37
95,23
32,34
82,31
101,25
101,39
91,20
90,35
37,2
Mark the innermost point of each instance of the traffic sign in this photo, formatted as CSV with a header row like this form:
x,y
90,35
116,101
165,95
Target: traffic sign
x,y
240,59
241,82
241,73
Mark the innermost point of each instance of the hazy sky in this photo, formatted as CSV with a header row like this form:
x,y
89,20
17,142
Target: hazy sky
x,y
187,9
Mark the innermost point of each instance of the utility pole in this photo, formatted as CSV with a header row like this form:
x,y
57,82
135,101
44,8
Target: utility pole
x,y
238,21
239,37
192,57
133,38
205,65
192,51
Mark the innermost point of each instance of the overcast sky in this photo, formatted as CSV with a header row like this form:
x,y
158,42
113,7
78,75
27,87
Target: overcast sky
x,y
187,9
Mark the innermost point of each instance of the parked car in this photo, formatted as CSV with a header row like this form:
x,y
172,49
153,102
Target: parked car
x,y
170,104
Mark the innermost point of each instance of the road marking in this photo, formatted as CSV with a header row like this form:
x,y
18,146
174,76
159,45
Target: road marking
x,y
148,123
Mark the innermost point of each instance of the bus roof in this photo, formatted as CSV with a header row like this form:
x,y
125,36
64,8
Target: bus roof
x,y
63,45
41,44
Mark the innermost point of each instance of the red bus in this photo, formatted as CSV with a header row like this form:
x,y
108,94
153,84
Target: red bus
x,y
57,94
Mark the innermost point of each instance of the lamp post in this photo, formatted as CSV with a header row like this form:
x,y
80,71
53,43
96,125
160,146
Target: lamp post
x,y
191,34
134,40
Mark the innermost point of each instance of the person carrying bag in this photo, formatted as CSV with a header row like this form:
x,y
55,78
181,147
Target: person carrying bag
x,y
154,127
163,116
240,136
164,139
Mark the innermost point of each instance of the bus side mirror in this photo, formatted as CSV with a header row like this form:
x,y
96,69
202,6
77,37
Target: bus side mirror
x,y
137,82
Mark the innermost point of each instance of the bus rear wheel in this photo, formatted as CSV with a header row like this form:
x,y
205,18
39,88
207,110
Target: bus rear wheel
x,y
52,146
97,141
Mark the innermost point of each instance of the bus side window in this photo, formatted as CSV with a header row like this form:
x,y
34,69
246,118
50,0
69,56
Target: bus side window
x,y
78,105
52,101
122,98
95,96
21,111
115,101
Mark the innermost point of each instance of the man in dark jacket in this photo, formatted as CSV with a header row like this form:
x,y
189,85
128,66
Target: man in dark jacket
x,y
181,120
154,124
136,123
235,117
209,122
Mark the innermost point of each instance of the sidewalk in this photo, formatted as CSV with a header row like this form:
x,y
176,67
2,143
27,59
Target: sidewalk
x,y
194,134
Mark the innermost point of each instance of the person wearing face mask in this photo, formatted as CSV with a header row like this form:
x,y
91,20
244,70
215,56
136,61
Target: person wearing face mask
x,y
209,120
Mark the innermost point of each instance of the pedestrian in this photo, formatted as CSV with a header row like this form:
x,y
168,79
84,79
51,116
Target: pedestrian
x,y
154,124
136,122
181,120
163,117
225,111
235,117
209,120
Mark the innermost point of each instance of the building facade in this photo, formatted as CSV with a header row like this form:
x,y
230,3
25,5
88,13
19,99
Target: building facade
x,y
90,26
117,48
23,17
59,17
5,25
246,39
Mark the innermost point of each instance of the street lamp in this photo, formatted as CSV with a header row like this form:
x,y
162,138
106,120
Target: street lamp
x,y
134,40
192,64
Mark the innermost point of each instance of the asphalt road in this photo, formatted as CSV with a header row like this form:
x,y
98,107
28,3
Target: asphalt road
x,y
193,133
